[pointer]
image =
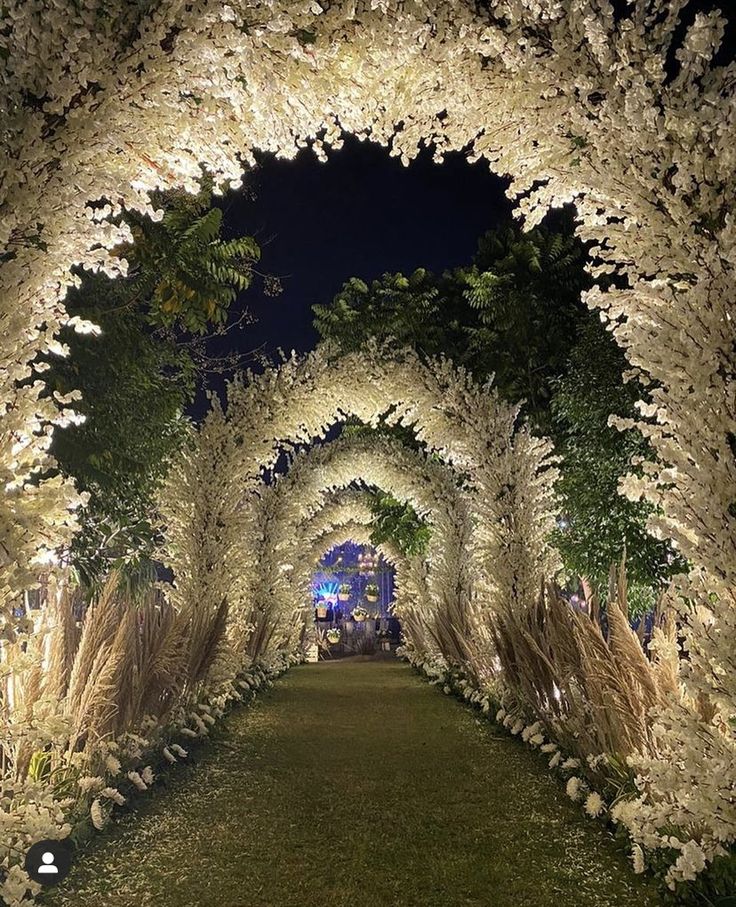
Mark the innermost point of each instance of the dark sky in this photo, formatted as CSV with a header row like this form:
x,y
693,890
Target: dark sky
x,y
360,214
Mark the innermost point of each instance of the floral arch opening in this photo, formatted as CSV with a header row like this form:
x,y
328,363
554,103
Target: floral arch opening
x,y
575,102
353,593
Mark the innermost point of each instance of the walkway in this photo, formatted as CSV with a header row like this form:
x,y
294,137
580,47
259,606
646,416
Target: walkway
x,y
355,783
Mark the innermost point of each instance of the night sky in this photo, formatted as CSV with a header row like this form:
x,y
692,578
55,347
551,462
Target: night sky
x,y
359,215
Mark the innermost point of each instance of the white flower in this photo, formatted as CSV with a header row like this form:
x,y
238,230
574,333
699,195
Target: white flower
x,y
180,751
555,760
518,725
594,805
82,326
137,781
530,731
637,858
574,788
690,862
571,763
536,740
88,783
169,756
112,764
113,794
500,715
147,775
549,748
624,811
15,887
97,814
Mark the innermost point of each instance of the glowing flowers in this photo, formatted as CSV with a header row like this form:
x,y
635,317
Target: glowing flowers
x,y
574,788
594,804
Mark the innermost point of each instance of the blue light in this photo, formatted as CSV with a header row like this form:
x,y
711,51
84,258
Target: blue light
x,y
327,591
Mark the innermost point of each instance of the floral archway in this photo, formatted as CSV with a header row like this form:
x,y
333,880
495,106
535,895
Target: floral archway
x,y
574,101
535,90
216,485
298,509
349,507
347,516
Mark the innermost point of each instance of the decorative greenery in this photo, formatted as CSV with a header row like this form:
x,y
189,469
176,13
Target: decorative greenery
x,y
398,522
136,378
515,315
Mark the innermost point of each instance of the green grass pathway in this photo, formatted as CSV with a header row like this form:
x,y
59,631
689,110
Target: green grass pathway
x,y
355,783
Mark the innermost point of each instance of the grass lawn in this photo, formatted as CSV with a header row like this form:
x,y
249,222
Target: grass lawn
x,y
354,783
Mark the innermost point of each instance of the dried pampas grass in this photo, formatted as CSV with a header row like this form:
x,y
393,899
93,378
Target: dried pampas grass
x,y
594,693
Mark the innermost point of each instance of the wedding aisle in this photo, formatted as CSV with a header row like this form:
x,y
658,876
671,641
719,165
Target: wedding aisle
x,y
355,783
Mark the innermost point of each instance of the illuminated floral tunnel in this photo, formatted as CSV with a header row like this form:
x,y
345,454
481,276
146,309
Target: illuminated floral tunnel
x,y
623,112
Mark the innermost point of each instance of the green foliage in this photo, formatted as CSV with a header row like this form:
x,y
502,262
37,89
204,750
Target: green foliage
x,y
399,523
137,377
598,521
183,271
134,385
394,521
511,314
421,310
524,293
515,313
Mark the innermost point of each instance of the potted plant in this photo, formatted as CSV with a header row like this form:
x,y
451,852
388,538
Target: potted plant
x,y
343,593
334,635
360,614
322,610
371,592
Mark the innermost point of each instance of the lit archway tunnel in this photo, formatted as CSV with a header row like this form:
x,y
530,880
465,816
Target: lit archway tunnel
x,y
576,102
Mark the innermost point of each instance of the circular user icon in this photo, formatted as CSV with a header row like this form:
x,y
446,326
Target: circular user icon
x,y
48,862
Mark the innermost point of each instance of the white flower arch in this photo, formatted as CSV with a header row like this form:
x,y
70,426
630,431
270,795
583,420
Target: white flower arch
x,y
346,516
570,98
320,479
573,100
348,507
216,487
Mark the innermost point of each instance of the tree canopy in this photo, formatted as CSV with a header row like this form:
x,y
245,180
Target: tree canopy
x,y
138,377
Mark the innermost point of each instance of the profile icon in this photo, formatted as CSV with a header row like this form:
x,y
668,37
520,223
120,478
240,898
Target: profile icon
x,y
48,862
48,866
